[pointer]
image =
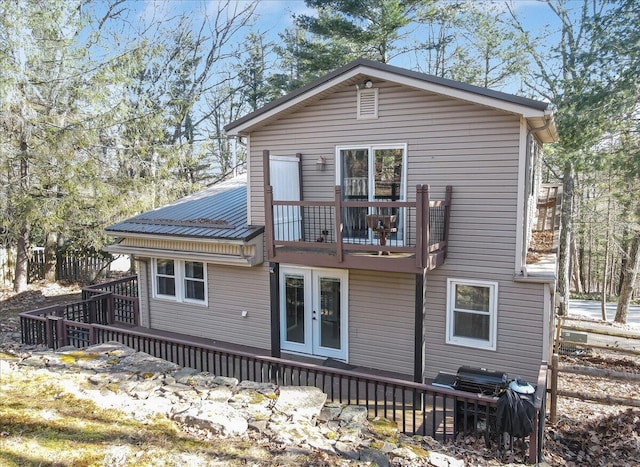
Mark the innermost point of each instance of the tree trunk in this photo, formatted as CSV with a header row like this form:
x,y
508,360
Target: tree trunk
x,y
565,238
22,260
575,266
50,245
629,276
22,255
605,273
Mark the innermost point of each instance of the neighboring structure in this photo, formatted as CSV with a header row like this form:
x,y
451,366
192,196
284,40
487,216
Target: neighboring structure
x,y
360,263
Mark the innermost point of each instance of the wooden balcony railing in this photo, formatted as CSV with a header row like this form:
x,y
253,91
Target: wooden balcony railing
x,y
411,235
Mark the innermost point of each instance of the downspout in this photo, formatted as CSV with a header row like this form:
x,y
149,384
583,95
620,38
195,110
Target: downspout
x,y
548,115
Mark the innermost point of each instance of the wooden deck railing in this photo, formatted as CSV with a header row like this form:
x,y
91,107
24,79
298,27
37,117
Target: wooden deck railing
x,y
420,409
339,227
127,286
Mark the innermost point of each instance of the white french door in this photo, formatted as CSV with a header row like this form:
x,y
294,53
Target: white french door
x,y
313,311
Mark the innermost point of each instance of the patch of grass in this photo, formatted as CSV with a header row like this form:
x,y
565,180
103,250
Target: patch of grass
x,y
42,425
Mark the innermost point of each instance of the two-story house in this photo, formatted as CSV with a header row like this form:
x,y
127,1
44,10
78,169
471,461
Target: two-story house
x,y
383,223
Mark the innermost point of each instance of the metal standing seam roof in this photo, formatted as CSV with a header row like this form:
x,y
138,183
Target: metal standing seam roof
x,y
219,212
362,62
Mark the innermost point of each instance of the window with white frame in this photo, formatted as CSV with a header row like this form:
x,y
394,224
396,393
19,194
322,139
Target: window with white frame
x,y
472,308
184,281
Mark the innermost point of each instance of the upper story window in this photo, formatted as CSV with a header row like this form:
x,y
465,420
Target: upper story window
x,y
183,281
472,308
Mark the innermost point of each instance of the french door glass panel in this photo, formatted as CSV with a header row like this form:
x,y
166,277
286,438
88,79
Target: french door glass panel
x,y
371,174
294,309
313,312
330,313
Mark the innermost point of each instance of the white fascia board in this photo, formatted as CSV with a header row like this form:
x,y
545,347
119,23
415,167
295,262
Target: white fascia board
x,y
295,101
520,198
468,96
177,254
248,163
174,238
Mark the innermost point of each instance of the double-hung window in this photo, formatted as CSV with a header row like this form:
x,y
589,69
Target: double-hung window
x,y
165,282
472,308
183,281
194,281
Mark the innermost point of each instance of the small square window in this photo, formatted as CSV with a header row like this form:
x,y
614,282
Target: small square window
x,y
472,313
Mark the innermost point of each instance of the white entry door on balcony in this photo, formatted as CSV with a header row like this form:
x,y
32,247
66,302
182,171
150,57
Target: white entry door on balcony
x,y
313,311
284,173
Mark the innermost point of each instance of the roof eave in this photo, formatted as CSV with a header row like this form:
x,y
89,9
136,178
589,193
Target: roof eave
x,y
174,237
527,108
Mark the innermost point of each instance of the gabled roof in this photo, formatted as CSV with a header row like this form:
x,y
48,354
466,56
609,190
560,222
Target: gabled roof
x,y
218,212
538,113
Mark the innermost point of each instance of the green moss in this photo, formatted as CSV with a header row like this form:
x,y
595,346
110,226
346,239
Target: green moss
x,y
7,356
417,450
147,375
331,435
70,358
256,398
383,428
376,445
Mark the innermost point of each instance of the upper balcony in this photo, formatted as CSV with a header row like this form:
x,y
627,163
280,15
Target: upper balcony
x,y
382,235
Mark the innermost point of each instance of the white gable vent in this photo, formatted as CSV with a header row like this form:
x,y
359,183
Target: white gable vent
x,y
367,103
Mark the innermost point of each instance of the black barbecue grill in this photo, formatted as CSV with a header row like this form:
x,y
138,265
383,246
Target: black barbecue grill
x,y
480,380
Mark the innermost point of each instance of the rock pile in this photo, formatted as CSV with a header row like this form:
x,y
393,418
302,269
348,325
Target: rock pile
x,y
299,419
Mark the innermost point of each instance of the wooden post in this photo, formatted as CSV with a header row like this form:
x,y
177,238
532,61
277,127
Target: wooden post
x,y
92,311
447,218
274,288
49,331
136,310
61,334
338,221
419,227
426,213
553,410
92,335
110,309
268,221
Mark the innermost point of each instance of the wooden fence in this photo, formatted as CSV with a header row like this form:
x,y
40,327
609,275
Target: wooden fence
x,y
566,343
70,265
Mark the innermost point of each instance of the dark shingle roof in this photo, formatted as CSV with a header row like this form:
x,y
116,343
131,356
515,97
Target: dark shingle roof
x,y
219,211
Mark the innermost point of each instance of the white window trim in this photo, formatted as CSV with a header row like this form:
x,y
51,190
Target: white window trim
x,y
179,278
491,344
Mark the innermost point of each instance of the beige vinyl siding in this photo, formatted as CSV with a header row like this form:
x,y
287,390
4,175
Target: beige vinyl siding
x,y
231,290
381,320
449,142
519,333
